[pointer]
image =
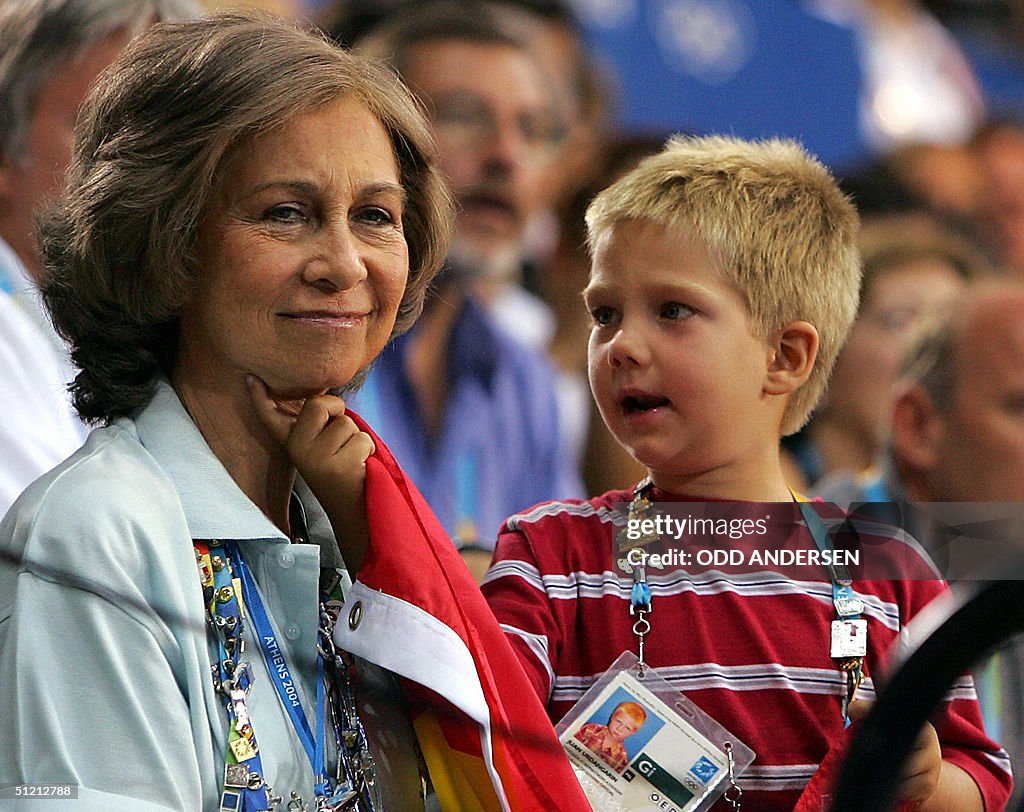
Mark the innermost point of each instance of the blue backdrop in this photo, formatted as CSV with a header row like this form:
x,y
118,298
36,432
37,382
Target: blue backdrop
x,y
753,68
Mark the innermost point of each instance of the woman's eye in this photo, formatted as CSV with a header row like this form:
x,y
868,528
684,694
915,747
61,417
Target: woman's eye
x,y
286,214
377,216
602,316
675,311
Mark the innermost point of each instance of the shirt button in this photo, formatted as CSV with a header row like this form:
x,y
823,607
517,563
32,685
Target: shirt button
x,y
292,632
286,558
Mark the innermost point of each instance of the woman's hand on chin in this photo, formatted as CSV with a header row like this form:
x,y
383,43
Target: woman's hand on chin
x,y
330,453
288,403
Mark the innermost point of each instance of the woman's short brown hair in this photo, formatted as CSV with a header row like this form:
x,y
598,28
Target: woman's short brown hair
x,y
118,247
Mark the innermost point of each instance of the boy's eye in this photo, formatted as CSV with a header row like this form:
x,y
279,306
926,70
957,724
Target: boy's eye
x,y
675,311
602,316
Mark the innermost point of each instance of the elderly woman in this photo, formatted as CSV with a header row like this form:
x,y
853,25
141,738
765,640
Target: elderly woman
x,y
251,214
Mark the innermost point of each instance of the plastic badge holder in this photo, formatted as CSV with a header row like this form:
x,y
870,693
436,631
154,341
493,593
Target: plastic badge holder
x,y
676,759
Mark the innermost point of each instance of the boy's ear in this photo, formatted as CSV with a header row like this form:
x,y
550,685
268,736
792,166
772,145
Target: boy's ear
x,y
794,349
915,430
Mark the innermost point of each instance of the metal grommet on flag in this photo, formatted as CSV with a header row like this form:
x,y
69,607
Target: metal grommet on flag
x,y
355,615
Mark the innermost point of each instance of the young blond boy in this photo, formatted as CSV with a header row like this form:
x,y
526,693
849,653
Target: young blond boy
x,y
724,280
607,740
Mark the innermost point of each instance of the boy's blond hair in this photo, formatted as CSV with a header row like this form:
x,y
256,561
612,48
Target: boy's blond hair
x,y
775,221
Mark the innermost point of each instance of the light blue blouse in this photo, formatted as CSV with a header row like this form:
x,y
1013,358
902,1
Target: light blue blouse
x,y
104,663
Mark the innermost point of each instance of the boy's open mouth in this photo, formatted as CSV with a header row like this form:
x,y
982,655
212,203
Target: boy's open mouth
x,y
634,404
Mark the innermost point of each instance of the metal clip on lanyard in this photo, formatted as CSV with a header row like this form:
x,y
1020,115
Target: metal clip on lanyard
x,y
356,786
640,606
848,608
640,595
734,792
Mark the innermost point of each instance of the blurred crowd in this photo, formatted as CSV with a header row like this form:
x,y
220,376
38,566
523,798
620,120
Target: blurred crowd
x,y
942,201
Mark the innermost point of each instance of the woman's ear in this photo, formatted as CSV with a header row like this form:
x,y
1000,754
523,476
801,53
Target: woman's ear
x,y
916,430
791,359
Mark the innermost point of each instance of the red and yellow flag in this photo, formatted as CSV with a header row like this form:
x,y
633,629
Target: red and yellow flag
x,y
486,737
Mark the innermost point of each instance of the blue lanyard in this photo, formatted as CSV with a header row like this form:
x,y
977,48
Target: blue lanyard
x,y
640,597
287,688
847,605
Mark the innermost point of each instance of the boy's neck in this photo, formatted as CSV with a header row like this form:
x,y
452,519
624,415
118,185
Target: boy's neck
x,y
762,484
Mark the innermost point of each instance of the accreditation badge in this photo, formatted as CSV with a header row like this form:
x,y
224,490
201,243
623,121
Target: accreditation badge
x,y
849,638
636,743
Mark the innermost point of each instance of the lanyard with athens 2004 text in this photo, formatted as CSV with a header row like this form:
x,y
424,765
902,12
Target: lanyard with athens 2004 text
x,y
244,787
284,682
849,636
231,596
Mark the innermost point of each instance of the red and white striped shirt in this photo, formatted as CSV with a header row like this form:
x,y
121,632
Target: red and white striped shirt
x,y
750,648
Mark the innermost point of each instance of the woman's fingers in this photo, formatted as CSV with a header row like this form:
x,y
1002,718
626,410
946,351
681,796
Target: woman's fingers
x,y
324,432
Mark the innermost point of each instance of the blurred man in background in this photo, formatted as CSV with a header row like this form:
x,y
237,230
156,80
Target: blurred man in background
x,y
50,53
957,436
467,409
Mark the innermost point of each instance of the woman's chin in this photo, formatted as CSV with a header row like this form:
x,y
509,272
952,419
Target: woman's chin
x,y
296,392
291,401
301,390
299,387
